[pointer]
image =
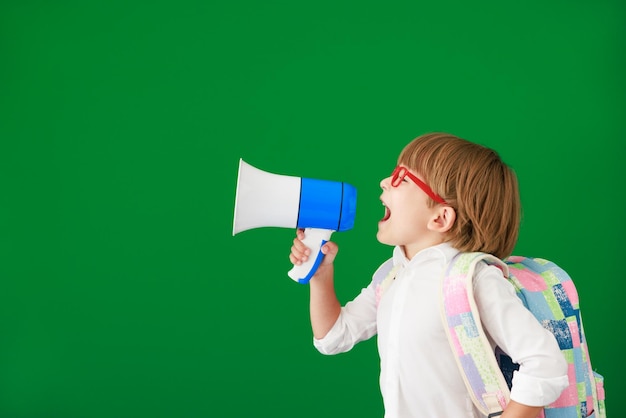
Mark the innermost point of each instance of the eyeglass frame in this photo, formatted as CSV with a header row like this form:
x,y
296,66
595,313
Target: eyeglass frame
x,y
400,172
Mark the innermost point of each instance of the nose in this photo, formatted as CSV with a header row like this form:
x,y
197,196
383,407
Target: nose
x,y
384,183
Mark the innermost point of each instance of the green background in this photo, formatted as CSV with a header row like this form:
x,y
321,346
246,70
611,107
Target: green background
x,y
124,293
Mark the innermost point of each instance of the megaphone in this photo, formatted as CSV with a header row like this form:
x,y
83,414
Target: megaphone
x,y
321,207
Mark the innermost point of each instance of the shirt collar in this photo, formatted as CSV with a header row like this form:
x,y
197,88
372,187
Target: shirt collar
x,y
444,251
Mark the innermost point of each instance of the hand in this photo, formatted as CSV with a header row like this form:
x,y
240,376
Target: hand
x,y
300,252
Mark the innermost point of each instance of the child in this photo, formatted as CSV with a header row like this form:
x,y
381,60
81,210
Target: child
x,y
446,196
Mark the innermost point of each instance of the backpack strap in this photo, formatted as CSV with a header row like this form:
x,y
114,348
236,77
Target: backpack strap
x,y
383,277
472,350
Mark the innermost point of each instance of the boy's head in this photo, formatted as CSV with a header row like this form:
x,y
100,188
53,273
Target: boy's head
x,y
476,183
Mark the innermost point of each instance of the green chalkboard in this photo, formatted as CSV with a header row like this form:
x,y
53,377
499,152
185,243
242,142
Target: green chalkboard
x,y
123,291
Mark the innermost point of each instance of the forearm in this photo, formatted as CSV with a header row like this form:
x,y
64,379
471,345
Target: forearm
x,y
324,306
517,410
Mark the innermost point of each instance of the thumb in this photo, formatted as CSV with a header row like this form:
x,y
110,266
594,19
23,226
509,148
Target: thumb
x,y
330,250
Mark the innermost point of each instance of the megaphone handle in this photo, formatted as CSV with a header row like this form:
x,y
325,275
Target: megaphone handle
x,y
314,238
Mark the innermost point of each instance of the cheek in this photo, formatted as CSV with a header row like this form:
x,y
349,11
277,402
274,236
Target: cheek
x,y
412,223
405,217
414,214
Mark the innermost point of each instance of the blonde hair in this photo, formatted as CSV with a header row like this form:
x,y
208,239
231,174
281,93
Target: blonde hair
x,y
473,180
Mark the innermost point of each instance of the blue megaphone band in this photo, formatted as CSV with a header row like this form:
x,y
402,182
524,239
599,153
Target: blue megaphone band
x,y
348,207
326,204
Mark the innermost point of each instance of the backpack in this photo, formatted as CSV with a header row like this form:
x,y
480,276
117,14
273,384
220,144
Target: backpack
x,y
549,293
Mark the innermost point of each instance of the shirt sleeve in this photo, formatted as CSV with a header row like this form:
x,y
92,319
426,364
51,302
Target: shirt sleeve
x,y
356,322
542,375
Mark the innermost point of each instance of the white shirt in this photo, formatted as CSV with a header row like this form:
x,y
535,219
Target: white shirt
x,y
419,376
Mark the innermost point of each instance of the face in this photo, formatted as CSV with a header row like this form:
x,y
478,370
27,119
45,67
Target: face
x,y
407,221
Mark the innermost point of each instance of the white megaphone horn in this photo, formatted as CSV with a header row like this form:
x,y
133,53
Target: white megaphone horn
x,y
321,207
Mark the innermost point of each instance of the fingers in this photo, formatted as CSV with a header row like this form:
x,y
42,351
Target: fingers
x,y
299,252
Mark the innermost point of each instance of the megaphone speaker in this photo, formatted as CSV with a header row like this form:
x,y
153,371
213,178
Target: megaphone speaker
x,y
321,207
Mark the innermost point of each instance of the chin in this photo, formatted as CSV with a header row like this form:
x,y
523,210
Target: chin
x,y
380,236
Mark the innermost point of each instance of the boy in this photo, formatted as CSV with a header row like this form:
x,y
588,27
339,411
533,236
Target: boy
x,y
447,195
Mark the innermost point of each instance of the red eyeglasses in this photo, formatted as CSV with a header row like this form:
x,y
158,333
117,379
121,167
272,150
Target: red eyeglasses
x,y
399,173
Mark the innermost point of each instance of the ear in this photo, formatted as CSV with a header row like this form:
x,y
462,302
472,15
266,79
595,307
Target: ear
x,y
443,219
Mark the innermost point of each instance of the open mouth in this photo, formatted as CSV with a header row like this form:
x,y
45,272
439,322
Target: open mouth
x,y
387,213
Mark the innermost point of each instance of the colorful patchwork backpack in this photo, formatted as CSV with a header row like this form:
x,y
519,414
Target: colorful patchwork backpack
x,y
549,293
